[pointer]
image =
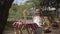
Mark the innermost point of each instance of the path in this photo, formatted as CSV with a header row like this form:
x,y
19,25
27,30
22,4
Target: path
x,y
54,31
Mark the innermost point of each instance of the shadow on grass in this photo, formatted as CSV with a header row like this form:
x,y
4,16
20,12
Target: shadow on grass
x,y
9,25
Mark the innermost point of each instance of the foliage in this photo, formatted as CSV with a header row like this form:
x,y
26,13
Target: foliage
x,y
35,3
16,11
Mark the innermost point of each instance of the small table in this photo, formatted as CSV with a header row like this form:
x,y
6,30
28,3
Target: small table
x,y
21,24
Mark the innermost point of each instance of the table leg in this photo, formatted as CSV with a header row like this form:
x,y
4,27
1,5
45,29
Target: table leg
x,y
28,31
20,31
15,31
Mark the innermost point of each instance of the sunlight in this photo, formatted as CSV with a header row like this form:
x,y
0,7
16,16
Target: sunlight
x,y
19,2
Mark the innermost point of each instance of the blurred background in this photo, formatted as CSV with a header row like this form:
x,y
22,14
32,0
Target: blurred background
x,y
50,9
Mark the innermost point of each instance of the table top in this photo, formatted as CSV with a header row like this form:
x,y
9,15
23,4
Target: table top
x,y
24,22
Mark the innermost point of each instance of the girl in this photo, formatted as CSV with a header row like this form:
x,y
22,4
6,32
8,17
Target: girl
x,y
37,19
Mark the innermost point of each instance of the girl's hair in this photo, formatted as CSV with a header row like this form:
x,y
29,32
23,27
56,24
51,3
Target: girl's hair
x,y
38,11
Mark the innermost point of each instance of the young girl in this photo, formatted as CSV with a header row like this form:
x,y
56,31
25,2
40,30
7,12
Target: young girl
x,y
37,19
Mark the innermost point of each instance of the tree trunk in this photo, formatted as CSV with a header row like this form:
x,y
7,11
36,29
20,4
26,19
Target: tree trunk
x,y
4,12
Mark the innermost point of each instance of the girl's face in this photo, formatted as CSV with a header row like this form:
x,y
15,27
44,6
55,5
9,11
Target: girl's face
x,y
37,14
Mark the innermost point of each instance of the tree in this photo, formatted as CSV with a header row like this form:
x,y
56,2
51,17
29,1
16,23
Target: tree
x,y
35,3
4,12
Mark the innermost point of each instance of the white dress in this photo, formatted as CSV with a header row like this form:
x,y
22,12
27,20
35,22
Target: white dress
x,y
38,20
